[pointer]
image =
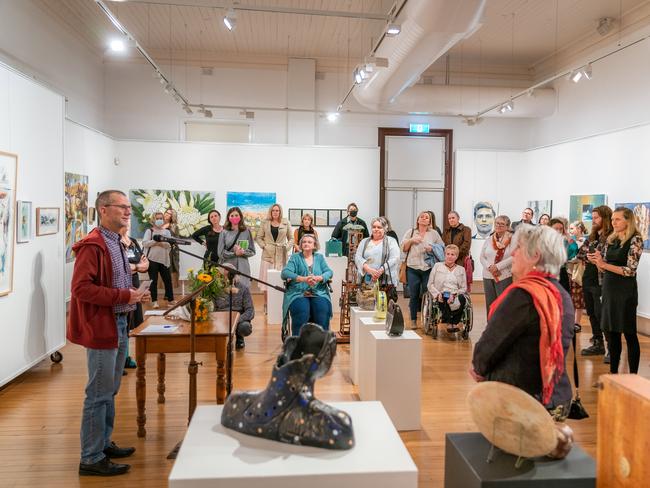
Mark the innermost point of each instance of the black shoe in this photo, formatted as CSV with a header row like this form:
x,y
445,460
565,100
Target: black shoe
x,y
607,359
103,468
577,327
113,451
597,349
239,343
124,373
130,363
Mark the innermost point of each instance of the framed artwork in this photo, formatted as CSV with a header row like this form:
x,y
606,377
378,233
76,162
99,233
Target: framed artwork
x,y
295,216
581,206
76,211
47,220
323,217
485,212
254,205
641,211
191,208
540,207
23,221
333,217
92,215
8,172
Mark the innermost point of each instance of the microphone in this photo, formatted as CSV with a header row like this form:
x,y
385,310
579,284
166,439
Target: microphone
x,y
171,240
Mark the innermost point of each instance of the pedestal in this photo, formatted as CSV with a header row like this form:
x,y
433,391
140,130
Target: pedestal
x,y
466,467
356,313
274,297
212,455
366,325
394,376
338,265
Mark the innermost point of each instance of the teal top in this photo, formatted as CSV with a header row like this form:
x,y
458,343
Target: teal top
x,y
571,249
297,266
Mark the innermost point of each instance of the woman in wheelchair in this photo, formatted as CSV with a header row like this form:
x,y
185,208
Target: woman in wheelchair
x,y
307,298
377,257
448,285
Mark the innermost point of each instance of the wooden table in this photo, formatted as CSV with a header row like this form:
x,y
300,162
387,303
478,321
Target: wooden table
x,y
211,336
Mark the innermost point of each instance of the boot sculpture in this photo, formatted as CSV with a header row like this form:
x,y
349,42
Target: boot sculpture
x,y
286,410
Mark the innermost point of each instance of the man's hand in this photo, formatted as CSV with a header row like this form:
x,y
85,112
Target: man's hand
x,y
139,296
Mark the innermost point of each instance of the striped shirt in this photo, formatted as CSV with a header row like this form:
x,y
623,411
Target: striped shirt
x,y
120,265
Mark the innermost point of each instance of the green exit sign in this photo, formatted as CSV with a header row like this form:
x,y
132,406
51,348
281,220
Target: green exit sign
x,y
419,128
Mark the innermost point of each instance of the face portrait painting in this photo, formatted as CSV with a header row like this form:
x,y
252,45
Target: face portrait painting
x,y
484,215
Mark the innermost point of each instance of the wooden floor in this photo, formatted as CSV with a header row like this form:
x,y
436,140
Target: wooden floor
x,y
40,412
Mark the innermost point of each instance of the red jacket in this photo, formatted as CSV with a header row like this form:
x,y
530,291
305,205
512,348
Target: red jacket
x,y
91,320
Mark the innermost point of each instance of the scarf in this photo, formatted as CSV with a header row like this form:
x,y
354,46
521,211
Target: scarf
x,y
548,303
500,245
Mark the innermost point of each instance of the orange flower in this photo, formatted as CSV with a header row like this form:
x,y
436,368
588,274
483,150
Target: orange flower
x,y
204,277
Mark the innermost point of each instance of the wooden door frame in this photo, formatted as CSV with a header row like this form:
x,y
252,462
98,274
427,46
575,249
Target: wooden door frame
x,y
447,134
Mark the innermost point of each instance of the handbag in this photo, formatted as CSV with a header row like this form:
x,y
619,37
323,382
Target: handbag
x,y
394,319
577,410
402,266
578,271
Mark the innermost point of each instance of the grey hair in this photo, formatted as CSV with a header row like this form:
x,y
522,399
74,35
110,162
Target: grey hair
x,y
503,218
545,242
381,220
311,236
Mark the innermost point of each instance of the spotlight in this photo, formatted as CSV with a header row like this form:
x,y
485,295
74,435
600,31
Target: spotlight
x,y
358,79
393,30
207,113
507,107
364,74
230,19
188,110
576,76
586,71
118,46
332,116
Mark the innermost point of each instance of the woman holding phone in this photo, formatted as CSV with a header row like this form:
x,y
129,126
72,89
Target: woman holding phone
x,y
236,244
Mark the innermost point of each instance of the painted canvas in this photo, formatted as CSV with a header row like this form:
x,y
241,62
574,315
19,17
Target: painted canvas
x,y
641,211
76,211
580,207
254,205
540,207
24,222
485,212
191,208
47,221
8,172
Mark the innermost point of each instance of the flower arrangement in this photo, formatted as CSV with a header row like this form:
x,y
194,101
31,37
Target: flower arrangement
x,y
216,287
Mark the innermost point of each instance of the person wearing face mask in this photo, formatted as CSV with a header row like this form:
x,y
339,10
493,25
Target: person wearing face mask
x,y
159,259
236,244
208,236
351,222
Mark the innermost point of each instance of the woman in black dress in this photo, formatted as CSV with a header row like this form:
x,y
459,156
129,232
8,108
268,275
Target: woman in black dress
x,y
208,236
620,295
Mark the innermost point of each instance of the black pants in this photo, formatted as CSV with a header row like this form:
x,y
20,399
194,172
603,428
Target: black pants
x,y
592,294
616,347
154,269
450,316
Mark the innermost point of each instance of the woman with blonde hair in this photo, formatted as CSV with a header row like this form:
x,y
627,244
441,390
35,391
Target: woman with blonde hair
x,y
620,293
306,227
275,239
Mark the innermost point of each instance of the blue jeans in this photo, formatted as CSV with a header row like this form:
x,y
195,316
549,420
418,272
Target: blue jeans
x,y
105,367
416,280
310,309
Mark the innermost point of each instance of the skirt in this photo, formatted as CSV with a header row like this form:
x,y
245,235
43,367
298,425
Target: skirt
x,y
577,297
620,300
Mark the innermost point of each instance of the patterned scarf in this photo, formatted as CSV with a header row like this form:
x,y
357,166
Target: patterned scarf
x,y
548,303
500,245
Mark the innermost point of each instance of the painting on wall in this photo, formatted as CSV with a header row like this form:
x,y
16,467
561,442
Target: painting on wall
x,y
580,207
92,215
24,222
484,212
320,217
191,209
254,205
641,211
76,211
47,221
295,216
8,172
540,207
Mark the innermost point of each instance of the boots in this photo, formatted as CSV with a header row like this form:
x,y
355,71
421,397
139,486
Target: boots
x,y
286,410
596,349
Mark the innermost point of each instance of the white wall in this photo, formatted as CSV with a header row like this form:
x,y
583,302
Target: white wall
x,y
611,164
33,315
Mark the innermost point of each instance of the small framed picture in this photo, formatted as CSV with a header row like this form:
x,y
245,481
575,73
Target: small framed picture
x,y
47,221
333,217
295,216
321,218
24,221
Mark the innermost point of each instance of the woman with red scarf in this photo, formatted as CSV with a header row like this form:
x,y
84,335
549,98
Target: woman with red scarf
x,y
530,326
496,260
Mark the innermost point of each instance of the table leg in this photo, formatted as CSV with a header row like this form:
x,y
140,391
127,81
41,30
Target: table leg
x,y
221,369
161,377
140,384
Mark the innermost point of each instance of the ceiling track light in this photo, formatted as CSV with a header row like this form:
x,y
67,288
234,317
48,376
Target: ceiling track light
x,y
230,19
393,30
578,74
358,78
188,110
332,117
507,107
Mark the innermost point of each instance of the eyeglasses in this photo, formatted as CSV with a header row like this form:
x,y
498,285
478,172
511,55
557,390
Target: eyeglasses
x,y
125,208
501,224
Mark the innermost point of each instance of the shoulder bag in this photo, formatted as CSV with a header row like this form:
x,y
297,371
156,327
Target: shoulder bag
x,y
402,266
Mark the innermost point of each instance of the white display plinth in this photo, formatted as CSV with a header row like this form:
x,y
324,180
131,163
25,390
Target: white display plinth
x,y
274,298
338,265
212,455
366,324
356,313
395,376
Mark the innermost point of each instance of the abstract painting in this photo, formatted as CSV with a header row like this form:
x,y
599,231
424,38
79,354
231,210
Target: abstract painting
x,y
580,207
540,207
47,221
8,172
191,209
254,205
24,222
641,211
76,211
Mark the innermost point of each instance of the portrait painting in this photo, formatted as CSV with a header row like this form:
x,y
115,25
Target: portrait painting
x,y
485,212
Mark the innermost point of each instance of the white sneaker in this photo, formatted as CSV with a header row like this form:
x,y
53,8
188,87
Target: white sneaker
x,y
155,305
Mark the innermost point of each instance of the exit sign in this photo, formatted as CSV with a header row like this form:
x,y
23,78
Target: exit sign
x,y
419,128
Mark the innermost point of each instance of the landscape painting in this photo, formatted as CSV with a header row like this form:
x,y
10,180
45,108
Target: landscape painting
x,y
254,205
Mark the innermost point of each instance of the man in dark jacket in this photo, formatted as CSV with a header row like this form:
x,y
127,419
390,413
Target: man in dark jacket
x,y
351,222
526,218
100,302
459,235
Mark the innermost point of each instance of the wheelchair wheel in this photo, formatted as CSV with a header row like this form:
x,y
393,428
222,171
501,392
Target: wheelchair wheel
x,y
468,319
427,313
286,328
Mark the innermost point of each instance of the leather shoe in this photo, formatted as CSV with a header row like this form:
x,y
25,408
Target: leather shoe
x,y
113,451
103,467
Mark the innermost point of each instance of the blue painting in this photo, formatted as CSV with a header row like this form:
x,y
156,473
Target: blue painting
x,y
580,207
254,205
641,211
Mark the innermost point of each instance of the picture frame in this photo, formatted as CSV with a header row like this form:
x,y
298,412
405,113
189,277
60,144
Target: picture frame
x,y
8,182
323,217
92,216
47,220
23,221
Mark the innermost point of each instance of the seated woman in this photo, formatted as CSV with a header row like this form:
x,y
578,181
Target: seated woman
x,y
530,325
377,256
447,284
307,297
242,302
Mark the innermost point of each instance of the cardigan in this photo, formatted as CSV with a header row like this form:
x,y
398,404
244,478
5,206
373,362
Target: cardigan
x,y
443,279
297,266
488,254
371,255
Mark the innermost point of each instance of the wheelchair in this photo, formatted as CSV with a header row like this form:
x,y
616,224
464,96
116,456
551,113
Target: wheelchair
x,y
286,321
432,318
